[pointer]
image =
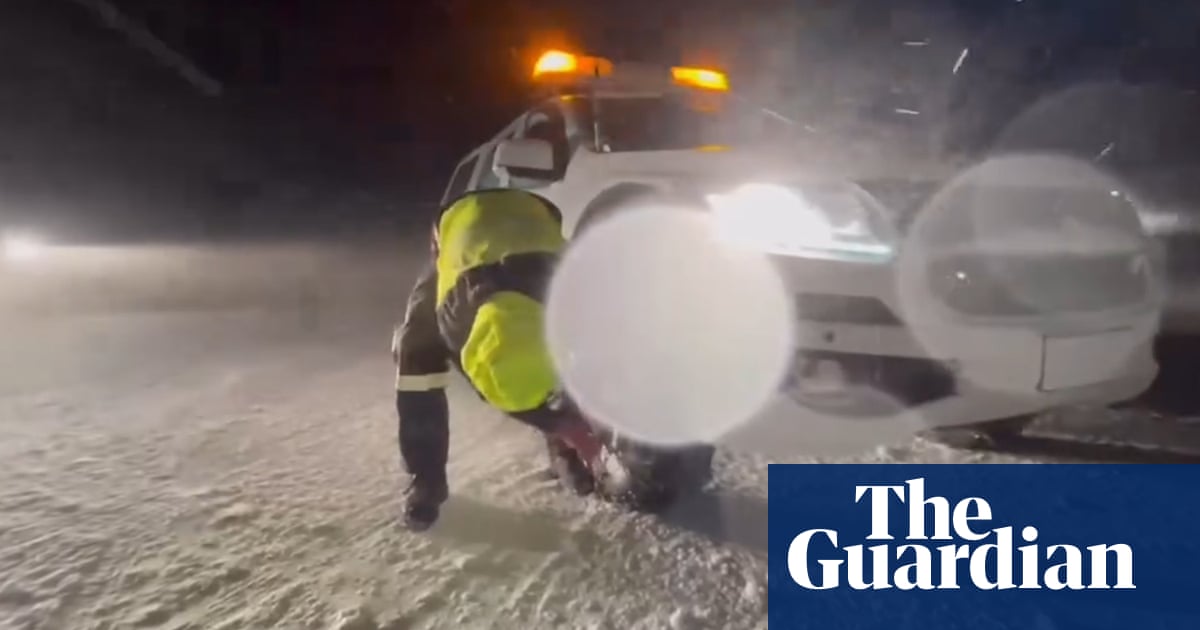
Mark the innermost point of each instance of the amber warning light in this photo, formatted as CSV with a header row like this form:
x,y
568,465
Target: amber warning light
x,y
556,63
701,78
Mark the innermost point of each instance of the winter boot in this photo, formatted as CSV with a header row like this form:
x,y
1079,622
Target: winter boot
x,y
423,502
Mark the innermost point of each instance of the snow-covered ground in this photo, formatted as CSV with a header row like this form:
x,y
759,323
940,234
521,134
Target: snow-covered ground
x,y
234,469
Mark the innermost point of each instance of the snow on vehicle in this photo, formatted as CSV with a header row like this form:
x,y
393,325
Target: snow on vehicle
x,y
611,137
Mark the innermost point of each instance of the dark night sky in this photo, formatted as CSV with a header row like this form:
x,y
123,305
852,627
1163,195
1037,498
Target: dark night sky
x,y
416,68
385,95
417,81
424,80
448,72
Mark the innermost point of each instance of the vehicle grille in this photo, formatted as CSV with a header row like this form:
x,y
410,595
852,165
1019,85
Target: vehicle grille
x,y
1028,285
908,381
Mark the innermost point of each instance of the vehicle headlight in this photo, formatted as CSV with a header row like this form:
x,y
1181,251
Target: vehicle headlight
x,y
818,221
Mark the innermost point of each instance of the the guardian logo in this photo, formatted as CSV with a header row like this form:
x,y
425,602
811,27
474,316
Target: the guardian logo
x,y
987,558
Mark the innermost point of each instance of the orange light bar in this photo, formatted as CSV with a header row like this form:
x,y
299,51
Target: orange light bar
x,y
701,78
557,62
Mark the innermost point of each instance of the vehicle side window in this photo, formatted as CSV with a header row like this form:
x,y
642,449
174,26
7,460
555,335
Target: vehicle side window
x,y
461,179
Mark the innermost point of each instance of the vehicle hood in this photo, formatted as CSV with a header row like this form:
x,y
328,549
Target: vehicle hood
x,y
715,168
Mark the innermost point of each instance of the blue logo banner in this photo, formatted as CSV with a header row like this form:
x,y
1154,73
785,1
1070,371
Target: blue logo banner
x,y
1029,547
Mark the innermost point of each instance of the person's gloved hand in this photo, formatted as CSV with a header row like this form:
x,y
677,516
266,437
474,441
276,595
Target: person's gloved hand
x,y
573,430
579,437
610,476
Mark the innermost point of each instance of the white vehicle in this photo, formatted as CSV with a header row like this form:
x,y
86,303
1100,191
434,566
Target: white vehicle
x,y
612,136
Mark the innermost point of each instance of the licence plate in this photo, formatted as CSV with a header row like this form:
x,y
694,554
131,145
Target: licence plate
x,y
1086,360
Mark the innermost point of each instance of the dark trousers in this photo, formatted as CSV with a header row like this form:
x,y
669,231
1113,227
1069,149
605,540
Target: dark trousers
x,y
424,432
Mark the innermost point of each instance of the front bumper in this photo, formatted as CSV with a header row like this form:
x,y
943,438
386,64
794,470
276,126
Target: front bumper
x,y
961,370
972,405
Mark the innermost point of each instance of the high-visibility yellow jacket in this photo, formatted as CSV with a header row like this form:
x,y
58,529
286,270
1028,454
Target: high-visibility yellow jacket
x,y
480,305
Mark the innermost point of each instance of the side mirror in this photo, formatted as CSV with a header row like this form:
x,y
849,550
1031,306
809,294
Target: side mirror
x,y
526,157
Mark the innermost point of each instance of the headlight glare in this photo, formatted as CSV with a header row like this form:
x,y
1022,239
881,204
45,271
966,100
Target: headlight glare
x,y
22,247
818,222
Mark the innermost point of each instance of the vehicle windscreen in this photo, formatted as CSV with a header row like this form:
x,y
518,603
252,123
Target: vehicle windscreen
x,y
667,123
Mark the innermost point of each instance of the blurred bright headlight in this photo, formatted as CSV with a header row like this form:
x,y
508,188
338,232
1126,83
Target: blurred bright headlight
x,y
17,247
812,221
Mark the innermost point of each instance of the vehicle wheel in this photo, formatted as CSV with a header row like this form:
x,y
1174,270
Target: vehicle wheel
x,y
981,435
1172,392
697,466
